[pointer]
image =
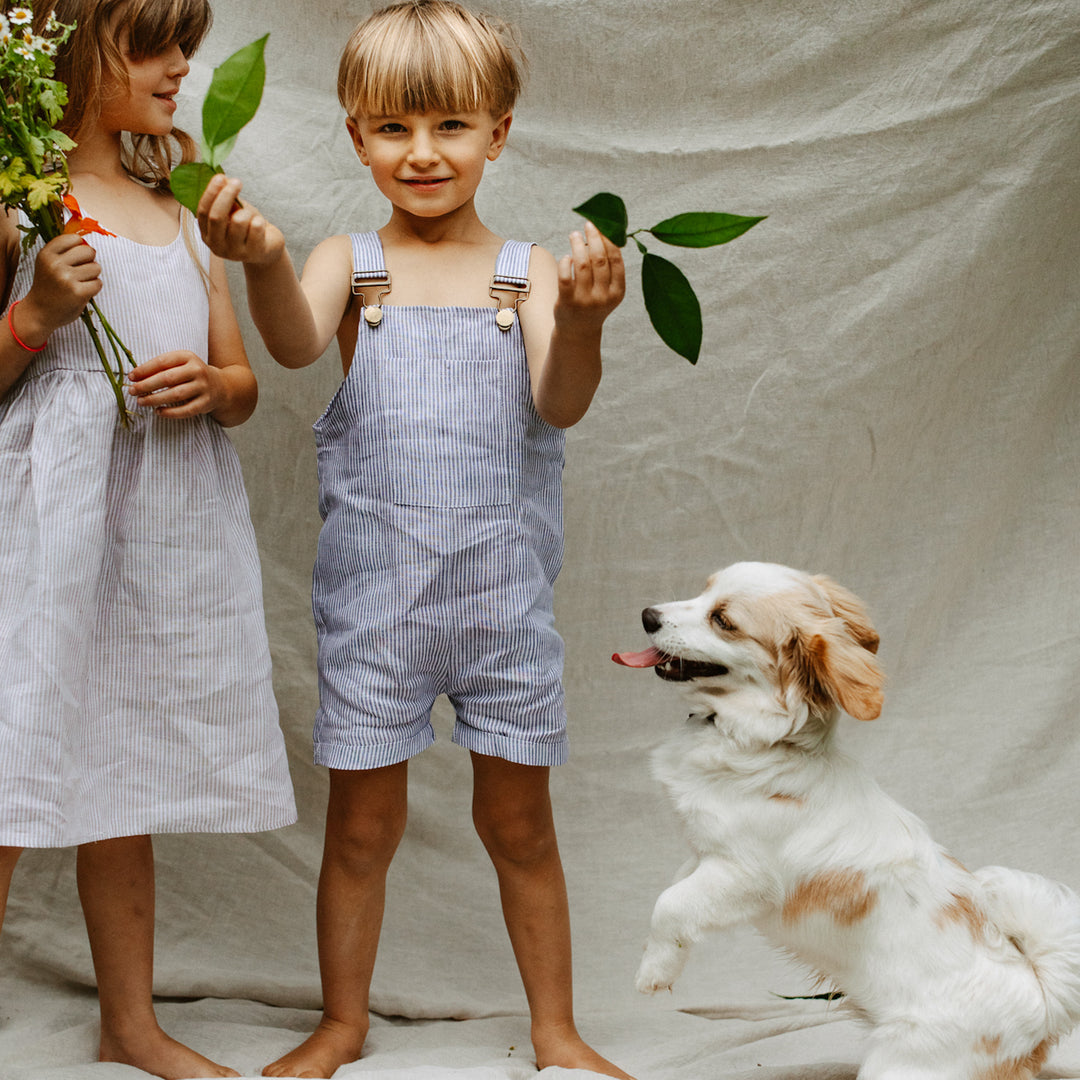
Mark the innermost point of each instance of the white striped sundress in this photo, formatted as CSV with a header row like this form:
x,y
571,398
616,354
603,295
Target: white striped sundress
x,y
441,494
135,691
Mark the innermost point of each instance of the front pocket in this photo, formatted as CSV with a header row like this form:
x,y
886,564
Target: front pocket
x,y
451,431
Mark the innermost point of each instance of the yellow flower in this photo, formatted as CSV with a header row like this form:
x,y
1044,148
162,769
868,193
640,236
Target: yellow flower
x,y
11,177
42,191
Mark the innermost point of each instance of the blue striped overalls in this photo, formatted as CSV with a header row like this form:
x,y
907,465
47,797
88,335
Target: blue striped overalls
x,y
440,489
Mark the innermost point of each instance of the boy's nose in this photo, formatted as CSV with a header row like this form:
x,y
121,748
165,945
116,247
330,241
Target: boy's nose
x,y
422,151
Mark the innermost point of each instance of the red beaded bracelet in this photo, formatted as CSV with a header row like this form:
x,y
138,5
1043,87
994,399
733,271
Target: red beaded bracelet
x,y
19,340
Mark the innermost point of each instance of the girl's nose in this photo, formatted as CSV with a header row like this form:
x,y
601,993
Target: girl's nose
x,y
178,62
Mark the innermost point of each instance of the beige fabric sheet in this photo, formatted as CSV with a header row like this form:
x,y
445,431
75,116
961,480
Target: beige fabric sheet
x,y
889,392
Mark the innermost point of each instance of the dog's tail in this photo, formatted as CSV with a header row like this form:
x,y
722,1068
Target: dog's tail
x,y
1042,918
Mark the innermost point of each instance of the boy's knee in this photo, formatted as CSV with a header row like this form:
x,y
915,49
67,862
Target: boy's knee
x,y
366,842
516,839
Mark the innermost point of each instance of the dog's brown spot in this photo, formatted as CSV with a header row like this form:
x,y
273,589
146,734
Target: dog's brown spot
x,y
843,894
964,910
1018,1068
956,862
779,796
988,1045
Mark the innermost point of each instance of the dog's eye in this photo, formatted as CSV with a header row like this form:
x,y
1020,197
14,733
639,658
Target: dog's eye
x,y
720,619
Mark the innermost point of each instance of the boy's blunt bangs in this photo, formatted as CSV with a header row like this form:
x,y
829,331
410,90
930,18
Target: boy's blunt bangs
x,y
429,56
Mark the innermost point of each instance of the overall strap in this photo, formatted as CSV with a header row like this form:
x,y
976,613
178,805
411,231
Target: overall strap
x,y
369,274
511,276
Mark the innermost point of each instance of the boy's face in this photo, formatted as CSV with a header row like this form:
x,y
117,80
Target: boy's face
x,y
429,164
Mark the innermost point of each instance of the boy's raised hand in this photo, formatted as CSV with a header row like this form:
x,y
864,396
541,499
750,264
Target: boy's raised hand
x,y
235,230
592,278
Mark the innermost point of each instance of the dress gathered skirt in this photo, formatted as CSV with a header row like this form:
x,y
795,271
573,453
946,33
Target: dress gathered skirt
x,y
135,677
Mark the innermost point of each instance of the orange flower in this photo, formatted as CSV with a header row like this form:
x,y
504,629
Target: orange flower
x,y
79,224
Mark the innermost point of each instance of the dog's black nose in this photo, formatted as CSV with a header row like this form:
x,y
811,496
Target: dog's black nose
x,y
650,619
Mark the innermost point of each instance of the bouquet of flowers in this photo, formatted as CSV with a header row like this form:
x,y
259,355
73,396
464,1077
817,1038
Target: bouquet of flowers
x,y
33,167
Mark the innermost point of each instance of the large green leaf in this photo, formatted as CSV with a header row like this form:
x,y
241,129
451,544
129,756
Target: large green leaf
x,y
672,306
234,95
608,213
699,230
189,181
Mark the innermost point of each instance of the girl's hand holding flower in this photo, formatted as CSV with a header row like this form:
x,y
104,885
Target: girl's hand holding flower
x,y
66,278
176,385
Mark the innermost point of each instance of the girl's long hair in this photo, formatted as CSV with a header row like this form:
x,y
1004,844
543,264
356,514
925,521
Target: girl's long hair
x,y
91,59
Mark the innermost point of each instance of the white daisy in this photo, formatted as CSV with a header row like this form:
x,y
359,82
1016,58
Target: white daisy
x,y
21,16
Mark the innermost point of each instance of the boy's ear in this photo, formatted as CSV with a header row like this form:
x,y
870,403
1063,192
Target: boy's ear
x,y
498,136
357,140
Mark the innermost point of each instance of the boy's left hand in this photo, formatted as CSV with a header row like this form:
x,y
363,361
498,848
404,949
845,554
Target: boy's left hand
x,y
592,279
176,385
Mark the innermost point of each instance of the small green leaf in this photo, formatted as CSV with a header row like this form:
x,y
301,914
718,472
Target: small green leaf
x,y
672,306
234,94
608,213
699,230
189,181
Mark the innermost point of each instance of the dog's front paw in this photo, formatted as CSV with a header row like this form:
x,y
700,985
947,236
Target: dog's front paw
x,y
660,966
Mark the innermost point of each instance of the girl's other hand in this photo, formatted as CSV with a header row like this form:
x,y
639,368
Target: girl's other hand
x,y
66,278
177,385
592,278
236,230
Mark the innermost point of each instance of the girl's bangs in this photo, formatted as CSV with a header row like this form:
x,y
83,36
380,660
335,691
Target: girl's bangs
x,y
156,25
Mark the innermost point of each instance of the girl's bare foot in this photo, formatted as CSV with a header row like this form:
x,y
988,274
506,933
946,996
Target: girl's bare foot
x,y
331,1045
156,1053
564,1047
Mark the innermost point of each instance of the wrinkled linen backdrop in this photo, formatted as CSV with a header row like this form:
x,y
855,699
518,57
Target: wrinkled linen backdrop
x,y
888,392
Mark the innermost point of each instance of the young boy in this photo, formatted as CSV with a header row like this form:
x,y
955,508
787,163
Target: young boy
x,y
440,464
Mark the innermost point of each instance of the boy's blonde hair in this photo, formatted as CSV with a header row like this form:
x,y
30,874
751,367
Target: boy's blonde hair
x,y
92,57
430,56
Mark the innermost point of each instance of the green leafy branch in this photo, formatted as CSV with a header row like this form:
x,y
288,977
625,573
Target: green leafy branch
x,y
670,300
231,101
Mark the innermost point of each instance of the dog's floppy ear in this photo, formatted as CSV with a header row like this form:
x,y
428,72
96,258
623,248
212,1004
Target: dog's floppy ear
x,y
829,666
847,606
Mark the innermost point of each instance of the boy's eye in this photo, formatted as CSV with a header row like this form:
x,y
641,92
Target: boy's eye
x,y
452,125
392,129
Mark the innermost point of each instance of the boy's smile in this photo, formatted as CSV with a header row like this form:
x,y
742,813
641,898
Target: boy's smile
x,y
429,164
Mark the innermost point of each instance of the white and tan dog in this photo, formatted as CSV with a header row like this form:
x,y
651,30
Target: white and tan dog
x,y
964,976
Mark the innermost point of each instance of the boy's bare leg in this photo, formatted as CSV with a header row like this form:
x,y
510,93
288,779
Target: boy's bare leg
x,y
116,887
9,856
365,819
512,813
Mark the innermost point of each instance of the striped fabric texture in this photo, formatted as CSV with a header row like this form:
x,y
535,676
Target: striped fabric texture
x,y
440,491
135,694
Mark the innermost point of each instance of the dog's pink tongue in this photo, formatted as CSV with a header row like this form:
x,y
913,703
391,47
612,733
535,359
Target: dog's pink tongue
x,y
646,658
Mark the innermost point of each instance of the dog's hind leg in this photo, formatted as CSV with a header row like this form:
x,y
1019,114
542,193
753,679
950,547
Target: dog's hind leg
x,y
900,1052
713,896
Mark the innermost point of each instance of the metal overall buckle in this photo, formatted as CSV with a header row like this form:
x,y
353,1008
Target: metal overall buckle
x,y
380,282
521,287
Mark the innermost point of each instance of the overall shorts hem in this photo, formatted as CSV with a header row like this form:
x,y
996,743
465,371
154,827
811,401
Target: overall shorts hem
x,y
375,755
519,751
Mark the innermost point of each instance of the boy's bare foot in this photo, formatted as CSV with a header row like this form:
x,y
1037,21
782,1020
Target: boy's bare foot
x,y
329,1046
564,1047
156,1053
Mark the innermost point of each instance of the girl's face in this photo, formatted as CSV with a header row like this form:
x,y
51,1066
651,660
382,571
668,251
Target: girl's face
x,y
429,164
146,105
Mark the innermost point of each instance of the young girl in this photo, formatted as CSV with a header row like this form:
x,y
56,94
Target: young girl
x,y
136,693
440,460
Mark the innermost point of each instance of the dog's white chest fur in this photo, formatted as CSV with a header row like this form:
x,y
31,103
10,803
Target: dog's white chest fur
x,y
963,976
